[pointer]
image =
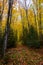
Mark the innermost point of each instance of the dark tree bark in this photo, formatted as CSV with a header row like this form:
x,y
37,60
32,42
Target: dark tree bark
x,y
7,29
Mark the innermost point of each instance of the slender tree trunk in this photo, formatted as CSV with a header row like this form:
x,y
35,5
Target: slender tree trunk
x,y
40,20
27,18
36,16
7,26
26,10
22,21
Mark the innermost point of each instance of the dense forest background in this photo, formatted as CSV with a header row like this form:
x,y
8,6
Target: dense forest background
x,y
21,22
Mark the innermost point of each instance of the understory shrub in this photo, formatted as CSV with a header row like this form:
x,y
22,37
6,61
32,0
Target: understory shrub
x,y
12,38
41,39
1,42
30,38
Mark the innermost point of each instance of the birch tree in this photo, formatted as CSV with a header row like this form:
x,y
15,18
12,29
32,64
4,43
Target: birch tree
x,y
37,4
25,6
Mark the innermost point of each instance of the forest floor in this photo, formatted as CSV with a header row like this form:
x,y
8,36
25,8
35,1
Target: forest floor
x,y
23,56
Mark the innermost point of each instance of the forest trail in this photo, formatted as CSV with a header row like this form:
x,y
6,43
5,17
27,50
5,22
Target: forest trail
x,y
21,55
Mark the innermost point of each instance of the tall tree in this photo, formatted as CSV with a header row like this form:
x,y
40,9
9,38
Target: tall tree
x,y
10,3
25,6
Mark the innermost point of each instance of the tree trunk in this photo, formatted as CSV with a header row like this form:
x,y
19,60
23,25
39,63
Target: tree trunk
x,y
7,27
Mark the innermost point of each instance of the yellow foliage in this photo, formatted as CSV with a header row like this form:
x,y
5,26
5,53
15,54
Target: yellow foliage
x,y
16,23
